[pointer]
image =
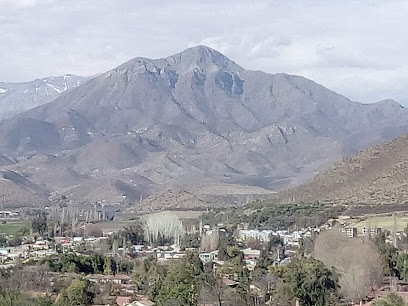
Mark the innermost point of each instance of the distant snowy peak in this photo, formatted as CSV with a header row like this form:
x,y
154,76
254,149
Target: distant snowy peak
x,y
64,83
16,98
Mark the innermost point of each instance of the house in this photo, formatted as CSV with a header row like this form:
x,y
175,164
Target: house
x,y
141,300
123,300
168,255
296,235
251,256
114,279
40,245
138,248
263,236
8,214
349,231
371,232
207,257
78,240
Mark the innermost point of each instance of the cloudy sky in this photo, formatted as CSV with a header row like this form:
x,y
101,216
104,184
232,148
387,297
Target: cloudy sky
x,y
357,48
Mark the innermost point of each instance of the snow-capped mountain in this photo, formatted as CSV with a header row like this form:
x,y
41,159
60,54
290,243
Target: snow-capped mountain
x,y
16,98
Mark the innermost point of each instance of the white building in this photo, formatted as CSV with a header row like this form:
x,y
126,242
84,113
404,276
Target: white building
x,y
348,231
371,232
263,236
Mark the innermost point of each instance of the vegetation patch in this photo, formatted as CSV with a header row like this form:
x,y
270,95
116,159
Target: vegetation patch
x,y
14,228
383,222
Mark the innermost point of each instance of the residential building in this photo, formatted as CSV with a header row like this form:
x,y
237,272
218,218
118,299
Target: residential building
x,y
349,231
207,257
263,236
371,232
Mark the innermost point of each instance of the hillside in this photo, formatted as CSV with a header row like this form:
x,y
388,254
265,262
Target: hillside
x,y
377,175
201,198
193,118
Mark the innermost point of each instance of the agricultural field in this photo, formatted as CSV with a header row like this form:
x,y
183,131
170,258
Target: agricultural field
x,y
12,227
383,222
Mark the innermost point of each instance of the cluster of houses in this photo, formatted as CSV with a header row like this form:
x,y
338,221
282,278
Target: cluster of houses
x,y
9,215
31,249
26,251
289,238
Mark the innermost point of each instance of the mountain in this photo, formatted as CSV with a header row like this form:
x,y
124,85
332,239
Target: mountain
x,y
16,98
377,175
194,118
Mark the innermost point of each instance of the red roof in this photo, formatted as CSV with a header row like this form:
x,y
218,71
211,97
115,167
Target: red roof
x,y
121,300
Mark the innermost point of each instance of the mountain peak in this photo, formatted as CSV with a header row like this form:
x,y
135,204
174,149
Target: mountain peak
x,y
389,103
199,57
202,56
202,51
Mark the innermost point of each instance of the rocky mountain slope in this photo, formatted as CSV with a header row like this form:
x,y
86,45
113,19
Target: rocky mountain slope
x,y
377,175
16,98
194,118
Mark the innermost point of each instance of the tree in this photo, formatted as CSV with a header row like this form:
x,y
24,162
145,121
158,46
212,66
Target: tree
x,y
164,227
360,264
14,282
389,252
311,282
109,266
135,234
225,241
210,241
180,285
191,240
392,299
9,288
212,288
282,295
264,262
77,293
401,265
243,287
39,224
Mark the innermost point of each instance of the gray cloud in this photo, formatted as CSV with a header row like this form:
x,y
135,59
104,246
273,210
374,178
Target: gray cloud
x,y
357,48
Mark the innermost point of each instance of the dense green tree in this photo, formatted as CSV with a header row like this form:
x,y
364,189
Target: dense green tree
x,y
389,252
264,262
180,285
109,266
97,263
311,281
39,223
134,233
92,264
226,240
42,302
146,272
191,241
78,293
243,288
392,299
401,265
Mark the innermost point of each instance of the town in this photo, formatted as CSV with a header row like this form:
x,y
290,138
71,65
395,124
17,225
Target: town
x,y
115,266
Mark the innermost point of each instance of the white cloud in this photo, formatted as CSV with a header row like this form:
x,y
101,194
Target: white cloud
x,y
19,4
357,48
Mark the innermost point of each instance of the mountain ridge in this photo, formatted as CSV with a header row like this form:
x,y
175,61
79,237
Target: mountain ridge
x,y
189,119
16,98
